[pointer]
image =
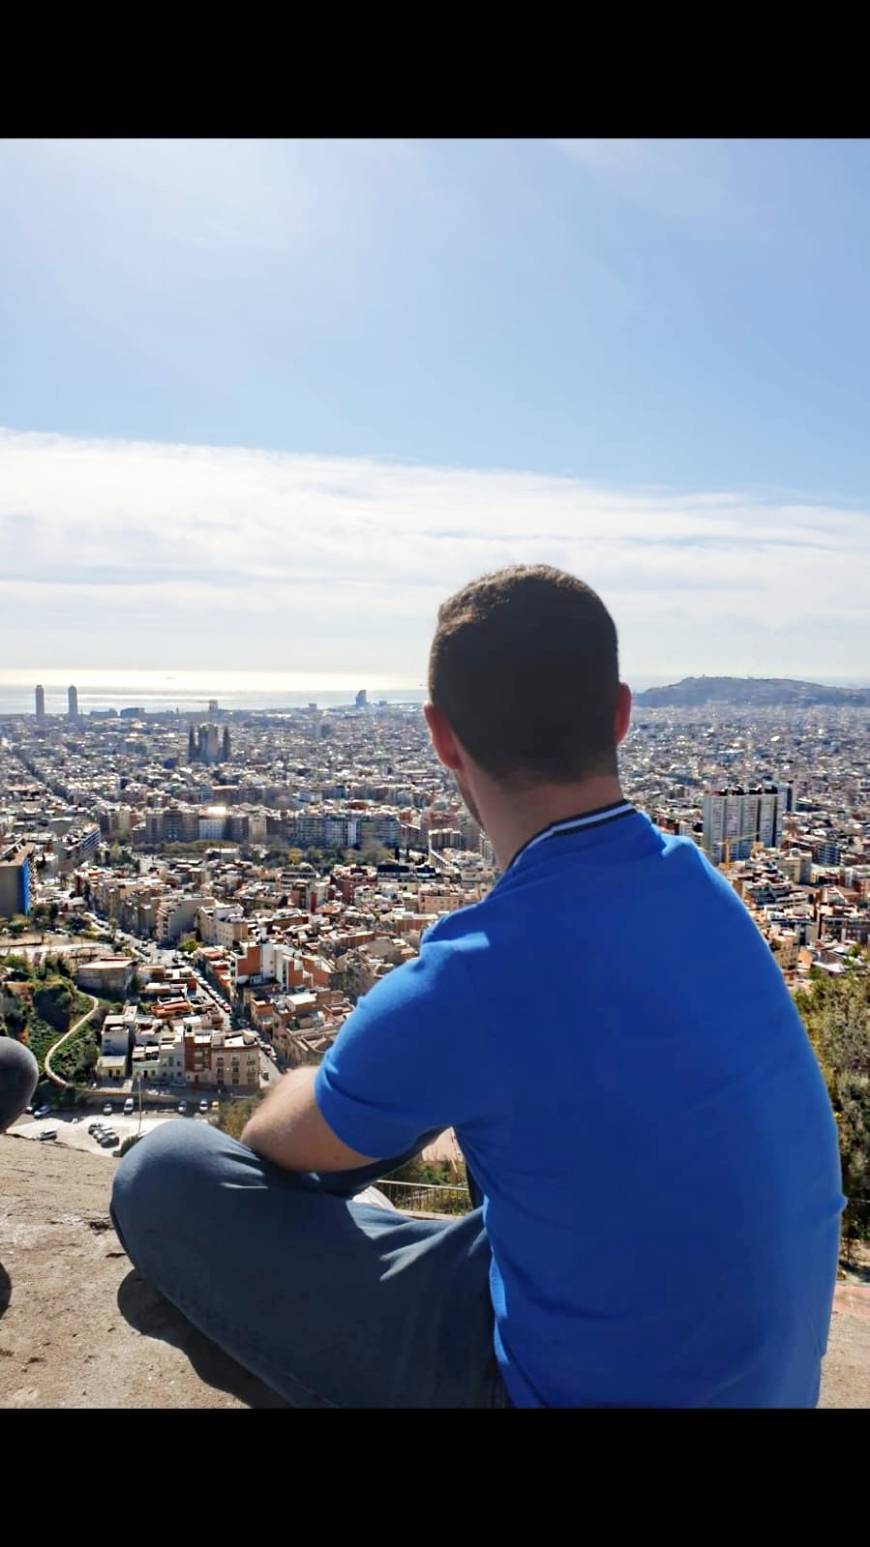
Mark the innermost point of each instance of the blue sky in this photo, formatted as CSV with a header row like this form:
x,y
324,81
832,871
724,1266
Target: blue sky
x,y
395,363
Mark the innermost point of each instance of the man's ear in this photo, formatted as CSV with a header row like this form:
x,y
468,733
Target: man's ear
x,y
443,740
623,712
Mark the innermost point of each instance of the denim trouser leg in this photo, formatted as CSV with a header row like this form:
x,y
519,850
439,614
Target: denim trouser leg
x,y
18,1078
332,1303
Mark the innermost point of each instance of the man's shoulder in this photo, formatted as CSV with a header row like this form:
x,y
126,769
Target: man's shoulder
x,y
460,926
438,976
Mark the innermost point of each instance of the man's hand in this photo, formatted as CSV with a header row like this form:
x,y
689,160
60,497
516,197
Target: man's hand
x,y
289,1130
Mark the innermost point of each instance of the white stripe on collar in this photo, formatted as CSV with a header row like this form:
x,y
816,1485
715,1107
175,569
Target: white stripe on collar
x,y
573,825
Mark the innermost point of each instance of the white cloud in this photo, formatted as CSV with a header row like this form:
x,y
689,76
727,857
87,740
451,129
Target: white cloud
x,y
143,555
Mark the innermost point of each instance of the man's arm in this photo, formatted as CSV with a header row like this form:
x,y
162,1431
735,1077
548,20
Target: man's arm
x,y
287,1129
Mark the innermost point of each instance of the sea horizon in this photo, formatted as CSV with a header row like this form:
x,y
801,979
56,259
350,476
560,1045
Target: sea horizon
x,y
191,690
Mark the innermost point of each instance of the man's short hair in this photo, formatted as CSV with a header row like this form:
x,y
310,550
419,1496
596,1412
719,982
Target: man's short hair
x,y
524,666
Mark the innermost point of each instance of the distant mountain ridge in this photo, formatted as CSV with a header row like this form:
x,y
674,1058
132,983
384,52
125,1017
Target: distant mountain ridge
x,y
760,691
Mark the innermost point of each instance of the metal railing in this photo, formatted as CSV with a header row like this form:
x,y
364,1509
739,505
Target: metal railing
x,y
426,1197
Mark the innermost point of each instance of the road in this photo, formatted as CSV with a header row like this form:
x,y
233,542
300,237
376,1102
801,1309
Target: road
x,y
56,1078
72,1129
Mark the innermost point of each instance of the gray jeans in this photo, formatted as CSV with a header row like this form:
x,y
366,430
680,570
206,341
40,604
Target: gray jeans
x,y
18,1077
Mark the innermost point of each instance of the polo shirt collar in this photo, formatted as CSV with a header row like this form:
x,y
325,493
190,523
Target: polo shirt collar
x,y
573,824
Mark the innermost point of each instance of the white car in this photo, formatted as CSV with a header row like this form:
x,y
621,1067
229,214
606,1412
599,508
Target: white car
x,y
203,1105
107,1109
128,1107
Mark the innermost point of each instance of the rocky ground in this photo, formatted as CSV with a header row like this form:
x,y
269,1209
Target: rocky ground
x,y
78,1328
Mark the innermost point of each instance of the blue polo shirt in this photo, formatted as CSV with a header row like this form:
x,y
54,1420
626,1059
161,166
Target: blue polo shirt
x,y
631,1085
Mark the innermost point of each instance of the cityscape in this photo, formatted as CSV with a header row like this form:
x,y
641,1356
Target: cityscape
x,y
299,434
235,883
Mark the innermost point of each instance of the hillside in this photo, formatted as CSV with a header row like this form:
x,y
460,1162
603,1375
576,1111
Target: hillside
x,y
751,692
38,1006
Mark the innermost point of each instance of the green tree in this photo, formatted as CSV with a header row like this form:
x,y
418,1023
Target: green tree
x,y
188,944
376,854
836,1013
19,968
16,1020
54,1002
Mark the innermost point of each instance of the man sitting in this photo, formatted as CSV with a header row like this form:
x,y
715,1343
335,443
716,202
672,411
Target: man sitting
x,y
612,1041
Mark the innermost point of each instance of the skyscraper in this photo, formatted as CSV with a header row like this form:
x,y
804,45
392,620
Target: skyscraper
x,y
362,699
16,879
226,746
40,702
191,745
735,819
73,703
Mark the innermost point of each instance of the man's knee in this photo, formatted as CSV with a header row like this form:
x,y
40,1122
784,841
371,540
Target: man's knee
x,y
19,1074
165,1176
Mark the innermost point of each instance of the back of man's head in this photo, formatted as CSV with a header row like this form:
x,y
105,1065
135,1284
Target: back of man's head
x,y
524,667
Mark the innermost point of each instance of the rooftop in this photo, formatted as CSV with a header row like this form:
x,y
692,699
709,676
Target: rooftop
x,y
129,1349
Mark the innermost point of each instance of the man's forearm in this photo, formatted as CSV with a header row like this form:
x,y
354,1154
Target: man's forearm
x,y
289,1130
277,1112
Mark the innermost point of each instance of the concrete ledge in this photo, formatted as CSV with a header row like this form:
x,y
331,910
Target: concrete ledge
x,y
78,1328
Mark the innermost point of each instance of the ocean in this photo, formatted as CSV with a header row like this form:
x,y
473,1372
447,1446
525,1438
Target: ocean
x,y
191,691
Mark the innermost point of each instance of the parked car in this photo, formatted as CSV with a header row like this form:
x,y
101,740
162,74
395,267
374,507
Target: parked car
x,y
215,1106
182,1107
128,1106
94,1128
109,1140
42,1111
48,1133
107,1109
203,1105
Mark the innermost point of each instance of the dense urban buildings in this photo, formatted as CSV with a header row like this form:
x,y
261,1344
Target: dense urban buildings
x,y
236,884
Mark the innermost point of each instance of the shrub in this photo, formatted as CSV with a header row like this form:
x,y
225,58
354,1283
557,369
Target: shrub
x,y
836,1013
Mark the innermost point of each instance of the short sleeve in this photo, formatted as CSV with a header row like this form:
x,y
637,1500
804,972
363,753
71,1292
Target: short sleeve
x,y
412,1057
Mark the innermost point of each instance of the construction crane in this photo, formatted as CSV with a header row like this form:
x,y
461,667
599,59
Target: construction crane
x,y
741,838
